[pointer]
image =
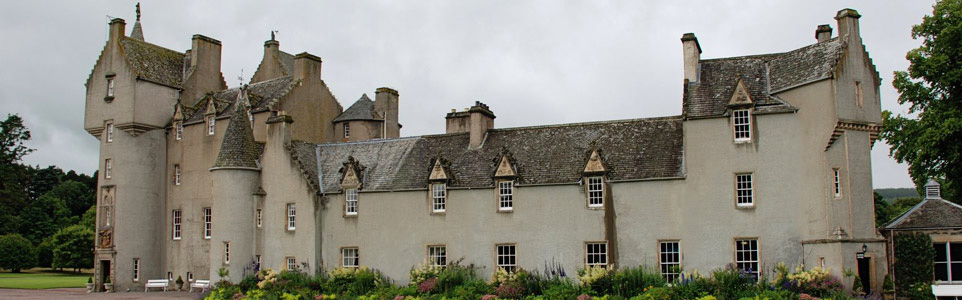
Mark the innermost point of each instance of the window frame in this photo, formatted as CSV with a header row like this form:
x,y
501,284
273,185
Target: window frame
x,y
597,254
437,255
757,262
176,220
837,183
136,266
595,194
190,277
208,223
257,262
226,252
356,257
110,87
513,266
211,123
949,263
108,167
177,174
664,264
110,132
347,130
259,217
505,200
179,130
291,263
291,219
750,190
739,116
439,197
350,202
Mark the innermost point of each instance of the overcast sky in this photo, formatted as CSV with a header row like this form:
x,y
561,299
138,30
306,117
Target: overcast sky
x,y
532,62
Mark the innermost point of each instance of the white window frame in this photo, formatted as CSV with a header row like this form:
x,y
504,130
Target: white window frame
x,y
745,190
291,210
439,195
437,255
208,223
506,257
596,191
211,122
110,87
190,277
107,215
350,257
505,195
179,130
350,202
108,166
259,216
257,261
136,269
948,262
347,130
742,125
744,248
110,132
291,263
226,252
669,259
596,254
176,174
176,217
837,186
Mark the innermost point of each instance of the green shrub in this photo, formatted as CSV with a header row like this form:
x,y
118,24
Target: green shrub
x,y
559,289
632,281
887,284
693,287
919,291
730,281
914,260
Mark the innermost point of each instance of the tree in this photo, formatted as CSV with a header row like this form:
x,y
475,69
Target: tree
x,y
43,218
73,248
882,211
75,195
17,253
933,88
13,135
45,253
13,197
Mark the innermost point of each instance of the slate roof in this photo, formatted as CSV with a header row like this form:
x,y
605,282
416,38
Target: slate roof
x,y
631,149
261,95
930,213
762,75
238,148
287,61
154,63
362,109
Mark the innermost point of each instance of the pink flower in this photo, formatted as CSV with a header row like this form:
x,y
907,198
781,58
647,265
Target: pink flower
x,y
428,286
584,297
489,297
399,297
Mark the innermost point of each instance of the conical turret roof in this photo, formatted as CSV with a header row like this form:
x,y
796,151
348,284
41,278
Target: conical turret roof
x,y
137,33
238,149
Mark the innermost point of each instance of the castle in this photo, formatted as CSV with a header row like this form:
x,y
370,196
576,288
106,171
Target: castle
x,y
768,162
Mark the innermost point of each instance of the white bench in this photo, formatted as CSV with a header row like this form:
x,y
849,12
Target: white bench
x,y
947,290
156,283
203,285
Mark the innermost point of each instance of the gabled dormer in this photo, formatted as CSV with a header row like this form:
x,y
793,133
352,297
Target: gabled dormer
x,y
505,177
740,107
438,185
352,180
210,115
177,123
594,180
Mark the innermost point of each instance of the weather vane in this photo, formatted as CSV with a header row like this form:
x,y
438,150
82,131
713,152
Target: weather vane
x,y
273,32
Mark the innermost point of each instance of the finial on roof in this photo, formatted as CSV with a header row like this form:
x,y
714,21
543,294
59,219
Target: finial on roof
x,y
272,34
137,33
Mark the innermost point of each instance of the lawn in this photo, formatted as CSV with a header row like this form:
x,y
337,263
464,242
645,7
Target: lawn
x,y
42,280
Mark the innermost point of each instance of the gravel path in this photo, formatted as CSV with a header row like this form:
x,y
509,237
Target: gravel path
x,y
81,293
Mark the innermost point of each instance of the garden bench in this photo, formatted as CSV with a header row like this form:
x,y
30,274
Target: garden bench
x,y
156,283
203,285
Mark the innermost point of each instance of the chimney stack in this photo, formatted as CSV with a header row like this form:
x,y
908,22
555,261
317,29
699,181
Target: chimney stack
x,y
307,67
692,54
205,55
848,26
386,104
117,29
823,33
476,120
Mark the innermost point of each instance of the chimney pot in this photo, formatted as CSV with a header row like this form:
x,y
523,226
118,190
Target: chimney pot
x,y
823,33
307,67
117,26
848,26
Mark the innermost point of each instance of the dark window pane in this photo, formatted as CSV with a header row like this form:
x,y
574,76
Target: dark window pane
x,y
940,254
955,251
956,271
941,272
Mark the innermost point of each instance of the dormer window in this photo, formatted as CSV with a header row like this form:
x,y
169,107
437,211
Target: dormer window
x,y
742,125
210,125
596,192
350,202
439,195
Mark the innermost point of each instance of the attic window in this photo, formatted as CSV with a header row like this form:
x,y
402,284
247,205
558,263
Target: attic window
x,y
439,195
742,125
110,88
596,192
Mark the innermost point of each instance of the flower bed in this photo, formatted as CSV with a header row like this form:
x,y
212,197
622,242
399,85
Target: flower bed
x,y
456,281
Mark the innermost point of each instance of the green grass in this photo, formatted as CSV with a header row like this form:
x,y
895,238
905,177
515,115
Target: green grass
x,y
42,280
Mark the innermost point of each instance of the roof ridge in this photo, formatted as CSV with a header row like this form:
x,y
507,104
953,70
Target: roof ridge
x,y
127,38
664,118
774,55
